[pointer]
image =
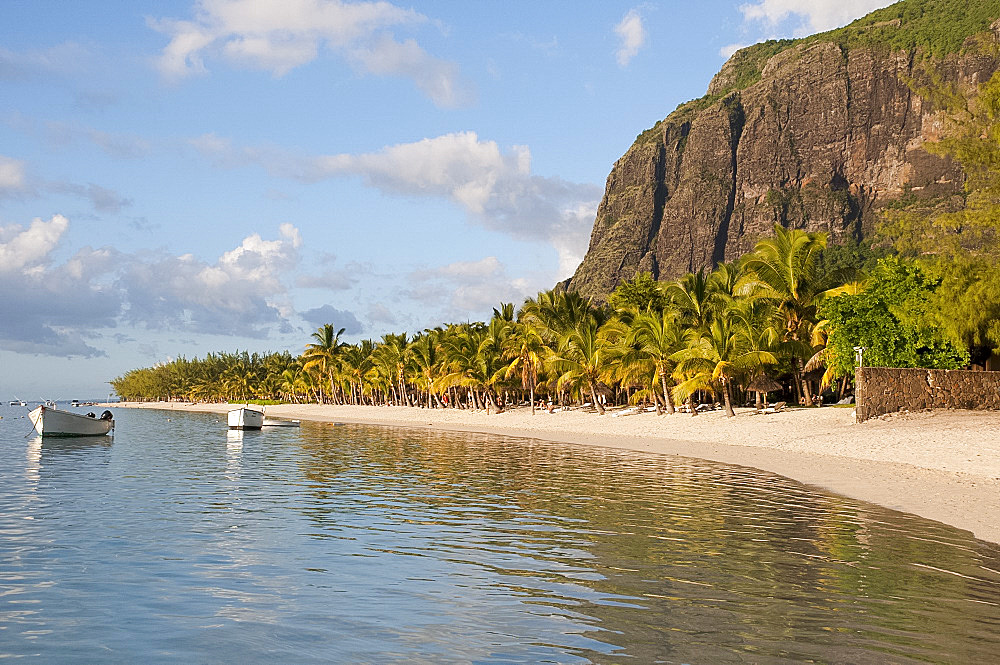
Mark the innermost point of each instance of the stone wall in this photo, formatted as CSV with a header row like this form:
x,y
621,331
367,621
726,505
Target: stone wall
x,y
881,390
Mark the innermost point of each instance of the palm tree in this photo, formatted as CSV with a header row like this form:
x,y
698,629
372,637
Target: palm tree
x,y
656,336
783,269
586,355
692,296
356,362
525,350
321,355
426,363
714,359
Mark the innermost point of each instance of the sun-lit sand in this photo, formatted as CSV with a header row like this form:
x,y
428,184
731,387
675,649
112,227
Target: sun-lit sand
x,y
943,465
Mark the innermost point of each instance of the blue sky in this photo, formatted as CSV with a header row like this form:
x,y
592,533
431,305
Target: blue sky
x,y
184,177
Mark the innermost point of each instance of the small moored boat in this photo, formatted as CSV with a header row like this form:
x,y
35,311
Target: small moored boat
x,y
56,422
246,418
273,422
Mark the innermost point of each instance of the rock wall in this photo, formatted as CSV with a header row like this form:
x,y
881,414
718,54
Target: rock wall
x,y
881,390
823,141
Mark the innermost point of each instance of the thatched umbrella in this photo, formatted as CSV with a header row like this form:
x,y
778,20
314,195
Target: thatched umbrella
x,y
763,384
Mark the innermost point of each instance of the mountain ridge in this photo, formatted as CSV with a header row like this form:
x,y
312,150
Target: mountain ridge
x,y
819,133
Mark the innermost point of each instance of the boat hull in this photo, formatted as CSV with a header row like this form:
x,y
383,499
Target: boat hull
x,y
246,419
56,422
271,422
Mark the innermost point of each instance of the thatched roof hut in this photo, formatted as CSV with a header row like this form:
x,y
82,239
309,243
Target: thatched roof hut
x,y
764,384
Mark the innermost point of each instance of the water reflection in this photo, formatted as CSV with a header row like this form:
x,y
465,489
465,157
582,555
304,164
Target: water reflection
x,y
654,558
190,543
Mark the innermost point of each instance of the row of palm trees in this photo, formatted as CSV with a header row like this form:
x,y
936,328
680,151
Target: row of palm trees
x,y
705,335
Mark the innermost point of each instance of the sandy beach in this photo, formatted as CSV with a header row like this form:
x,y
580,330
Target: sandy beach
x,y
942,465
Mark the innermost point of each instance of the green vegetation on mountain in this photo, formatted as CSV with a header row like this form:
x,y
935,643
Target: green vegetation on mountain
x,y
961,247
934,28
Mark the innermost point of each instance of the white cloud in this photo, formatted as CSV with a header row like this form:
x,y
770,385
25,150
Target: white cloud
x,y
280,35
62,134
438,79
53,308
101,198
22,248
467,288
12,178
495,188
62,59
379,313
632,35
728,50
816,15
238,294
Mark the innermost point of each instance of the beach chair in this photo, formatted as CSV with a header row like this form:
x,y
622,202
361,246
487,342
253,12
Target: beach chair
x,y
780,406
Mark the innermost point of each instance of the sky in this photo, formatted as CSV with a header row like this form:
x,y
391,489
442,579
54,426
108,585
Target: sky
x,y
183,177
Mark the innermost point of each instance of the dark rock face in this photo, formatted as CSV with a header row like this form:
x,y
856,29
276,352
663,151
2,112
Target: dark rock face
x,y
822,142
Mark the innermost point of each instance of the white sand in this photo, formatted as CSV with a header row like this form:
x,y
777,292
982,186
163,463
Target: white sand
x,y
943,465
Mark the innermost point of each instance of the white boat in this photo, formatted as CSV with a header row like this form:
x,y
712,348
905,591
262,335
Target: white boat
x,y
18,402
55,422
272,422
246,418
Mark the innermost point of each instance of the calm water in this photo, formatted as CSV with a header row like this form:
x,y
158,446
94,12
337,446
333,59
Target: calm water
x,y
179,542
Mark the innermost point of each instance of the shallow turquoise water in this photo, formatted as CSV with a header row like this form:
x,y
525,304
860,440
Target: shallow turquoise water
x,y
179,542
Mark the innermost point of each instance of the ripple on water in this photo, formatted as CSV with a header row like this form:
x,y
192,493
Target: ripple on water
x,y
181,542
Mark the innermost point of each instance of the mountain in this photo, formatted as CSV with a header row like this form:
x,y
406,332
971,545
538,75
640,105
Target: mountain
x,y
819,133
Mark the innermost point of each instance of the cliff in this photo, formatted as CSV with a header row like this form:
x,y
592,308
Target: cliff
x,y
819,134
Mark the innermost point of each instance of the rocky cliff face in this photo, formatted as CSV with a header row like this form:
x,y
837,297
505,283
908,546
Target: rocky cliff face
x,y
826,138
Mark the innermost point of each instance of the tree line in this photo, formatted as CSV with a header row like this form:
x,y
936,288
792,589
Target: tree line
x,y
924,292
781,312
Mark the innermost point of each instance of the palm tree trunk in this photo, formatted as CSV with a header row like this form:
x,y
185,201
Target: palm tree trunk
x,y
805,397
691,405
728,400
667,397
531,392
593,396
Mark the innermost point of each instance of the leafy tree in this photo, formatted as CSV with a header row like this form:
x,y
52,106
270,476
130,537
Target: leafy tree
x,y
893,319
525,350
639,294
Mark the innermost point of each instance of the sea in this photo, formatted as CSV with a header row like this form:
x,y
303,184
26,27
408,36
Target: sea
x,y
179,541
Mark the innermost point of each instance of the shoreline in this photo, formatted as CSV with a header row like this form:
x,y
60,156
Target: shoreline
x,y
941,465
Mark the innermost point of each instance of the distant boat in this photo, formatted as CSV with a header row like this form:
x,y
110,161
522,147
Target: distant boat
x,y
18,402
75,402
271,422
246,418
55,422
